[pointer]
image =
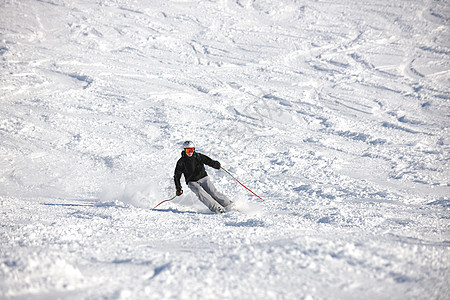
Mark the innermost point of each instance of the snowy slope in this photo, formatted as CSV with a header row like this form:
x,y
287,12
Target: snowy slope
x,y
335,112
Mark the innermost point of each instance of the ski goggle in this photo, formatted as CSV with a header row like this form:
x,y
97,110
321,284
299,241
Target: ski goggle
x,y
189,150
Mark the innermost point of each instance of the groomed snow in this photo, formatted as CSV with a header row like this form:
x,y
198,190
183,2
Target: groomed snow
x,y
335,112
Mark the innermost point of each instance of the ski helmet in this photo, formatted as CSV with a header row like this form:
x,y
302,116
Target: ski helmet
x,y
188,144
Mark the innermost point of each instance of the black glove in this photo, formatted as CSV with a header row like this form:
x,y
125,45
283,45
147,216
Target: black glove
x,y
179,192
216,165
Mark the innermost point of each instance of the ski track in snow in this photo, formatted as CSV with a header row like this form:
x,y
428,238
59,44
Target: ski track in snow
x,y
336,113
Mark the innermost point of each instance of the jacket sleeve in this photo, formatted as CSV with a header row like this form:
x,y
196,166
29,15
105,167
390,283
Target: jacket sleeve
x,y
177,174
210,162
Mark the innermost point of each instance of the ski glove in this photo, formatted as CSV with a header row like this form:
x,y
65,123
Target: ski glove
x,y
216,165
179,192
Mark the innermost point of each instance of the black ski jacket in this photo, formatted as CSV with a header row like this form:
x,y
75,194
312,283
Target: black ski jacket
x,y
192,167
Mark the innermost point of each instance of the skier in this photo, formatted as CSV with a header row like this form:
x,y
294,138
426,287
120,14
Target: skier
x,y
192,165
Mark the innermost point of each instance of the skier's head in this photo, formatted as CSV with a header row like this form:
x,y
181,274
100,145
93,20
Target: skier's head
x,y
189,148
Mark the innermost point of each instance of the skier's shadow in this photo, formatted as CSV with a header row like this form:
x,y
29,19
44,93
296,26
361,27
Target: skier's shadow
x,y
176,211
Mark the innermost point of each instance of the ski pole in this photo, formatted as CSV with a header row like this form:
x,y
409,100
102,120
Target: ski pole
x,y
164,201
241,183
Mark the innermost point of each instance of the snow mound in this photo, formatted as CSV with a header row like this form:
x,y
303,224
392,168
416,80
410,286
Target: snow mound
x,y
38,273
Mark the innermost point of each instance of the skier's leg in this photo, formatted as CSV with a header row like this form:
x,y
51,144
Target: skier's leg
x,y
204,197
209,187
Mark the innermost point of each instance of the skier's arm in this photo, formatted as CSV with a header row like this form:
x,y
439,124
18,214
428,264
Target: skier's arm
x,y
210,162
177,176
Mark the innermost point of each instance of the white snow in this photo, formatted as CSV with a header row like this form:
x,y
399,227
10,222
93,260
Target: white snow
x,y
335,112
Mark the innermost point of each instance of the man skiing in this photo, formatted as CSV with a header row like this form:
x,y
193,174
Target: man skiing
x,y
192,165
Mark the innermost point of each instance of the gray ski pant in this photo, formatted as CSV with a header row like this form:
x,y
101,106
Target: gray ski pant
x,y
208,194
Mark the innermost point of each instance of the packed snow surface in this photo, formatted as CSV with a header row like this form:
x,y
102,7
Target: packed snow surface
x,y
335,112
